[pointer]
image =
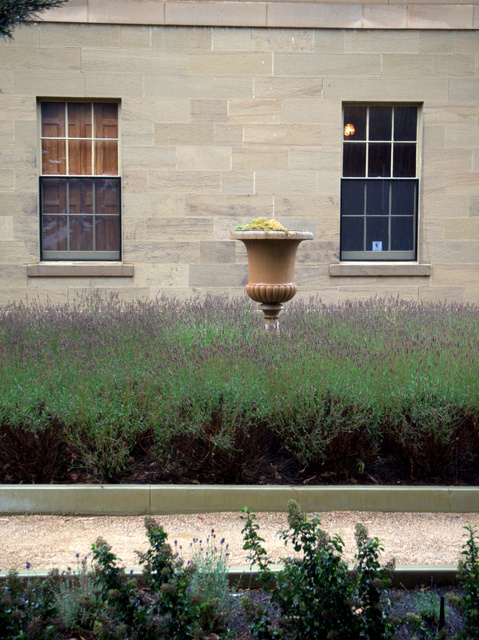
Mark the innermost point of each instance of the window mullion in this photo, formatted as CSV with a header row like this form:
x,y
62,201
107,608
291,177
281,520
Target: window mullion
x,y
68,213
67,145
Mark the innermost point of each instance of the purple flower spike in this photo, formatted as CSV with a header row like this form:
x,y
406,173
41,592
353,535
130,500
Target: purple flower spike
x,y
28,565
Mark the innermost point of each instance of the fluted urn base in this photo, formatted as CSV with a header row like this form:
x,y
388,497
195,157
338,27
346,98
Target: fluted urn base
x,y
271,259
271,293
271,297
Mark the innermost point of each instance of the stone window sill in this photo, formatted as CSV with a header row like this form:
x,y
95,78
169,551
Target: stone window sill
x,y
391,269
81,270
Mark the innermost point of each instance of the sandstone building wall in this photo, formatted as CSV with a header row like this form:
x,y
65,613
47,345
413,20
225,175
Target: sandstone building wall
x,y
235,114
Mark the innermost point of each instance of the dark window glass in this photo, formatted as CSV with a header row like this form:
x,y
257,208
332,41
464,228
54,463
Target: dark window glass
x,y
377,231
377,198
352,197
81,233
107,233
354,160
54,233
355,116
402,233
405,123
54,195
404,161
380,123
107,194
403,197
379,161
352,233
80,196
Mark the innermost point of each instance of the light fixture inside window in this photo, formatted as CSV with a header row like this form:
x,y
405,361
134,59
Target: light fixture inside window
x,y
349,130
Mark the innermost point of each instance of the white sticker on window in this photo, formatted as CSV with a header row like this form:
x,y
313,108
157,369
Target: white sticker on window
x,y
377,245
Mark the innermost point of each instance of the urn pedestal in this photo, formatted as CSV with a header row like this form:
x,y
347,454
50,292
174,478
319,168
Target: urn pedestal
x,y
271,261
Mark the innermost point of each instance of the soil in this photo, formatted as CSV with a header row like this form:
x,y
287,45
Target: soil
x,y
403,602
42,458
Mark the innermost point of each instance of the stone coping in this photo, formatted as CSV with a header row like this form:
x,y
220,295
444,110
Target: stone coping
x,y
381,14
384,269
79,269
408,576
184,499
256,234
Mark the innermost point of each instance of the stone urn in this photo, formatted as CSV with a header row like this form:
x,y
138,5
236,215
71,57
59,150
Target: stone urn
x,y
271,260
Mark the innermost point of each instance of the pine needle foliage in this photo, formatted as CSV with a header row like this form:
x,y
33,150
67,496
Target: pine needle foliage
x,y
15,12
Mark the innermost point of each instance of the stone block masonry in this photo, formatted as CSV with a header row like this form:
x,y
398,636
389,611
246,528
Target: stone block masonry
x,y
223,122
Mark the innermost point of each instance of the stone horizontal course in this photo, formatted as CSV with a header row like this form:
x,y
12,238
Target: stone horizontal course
x,y
247,13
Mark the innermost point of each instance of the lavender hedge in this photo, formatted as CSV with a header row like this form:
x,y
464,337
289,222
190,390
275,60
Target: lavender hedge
x,y
338,385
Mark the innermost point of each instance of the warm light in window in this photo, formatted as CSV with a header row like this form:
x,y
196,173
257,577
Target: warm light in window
x,y
349,130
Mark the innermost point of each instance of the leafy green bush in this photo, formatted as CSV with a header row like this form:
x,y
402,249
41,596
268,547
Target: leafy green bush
x,y
469,580
27,608
315,595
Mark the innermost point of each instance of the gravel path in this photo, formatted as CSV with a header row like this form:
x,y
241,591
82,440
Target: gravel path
x,y
46,542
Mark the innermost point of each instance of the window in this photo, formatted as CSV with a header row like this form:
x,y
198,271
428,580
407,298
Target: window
x,y
79,183
379,187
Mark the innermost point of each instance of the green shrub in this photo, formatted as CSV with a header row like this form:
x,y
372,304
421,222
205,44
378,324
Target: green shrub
x,y
469,580
315,596
27,608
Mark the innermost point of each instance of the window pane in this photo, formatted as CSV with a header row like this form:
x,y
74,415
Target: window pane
x,y
54,160
352,197
79,157
106,158
403,197
380,123
79,120
54,233
379,162
80,196
53,119
404,160
352,233
354,160
355,116
405,123
54,195
377,198
106,120
402,233
107,197
377,234
81,233
107,233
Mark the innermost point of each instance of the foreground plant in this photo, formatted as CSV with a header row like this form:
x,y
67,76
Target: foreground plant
x,y
315,596
469,581
28,608
209,581
168,604
170,600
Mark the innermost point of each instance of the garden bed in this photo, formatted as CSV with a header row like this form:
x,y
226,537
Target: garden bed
x,y
99,600
376,392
